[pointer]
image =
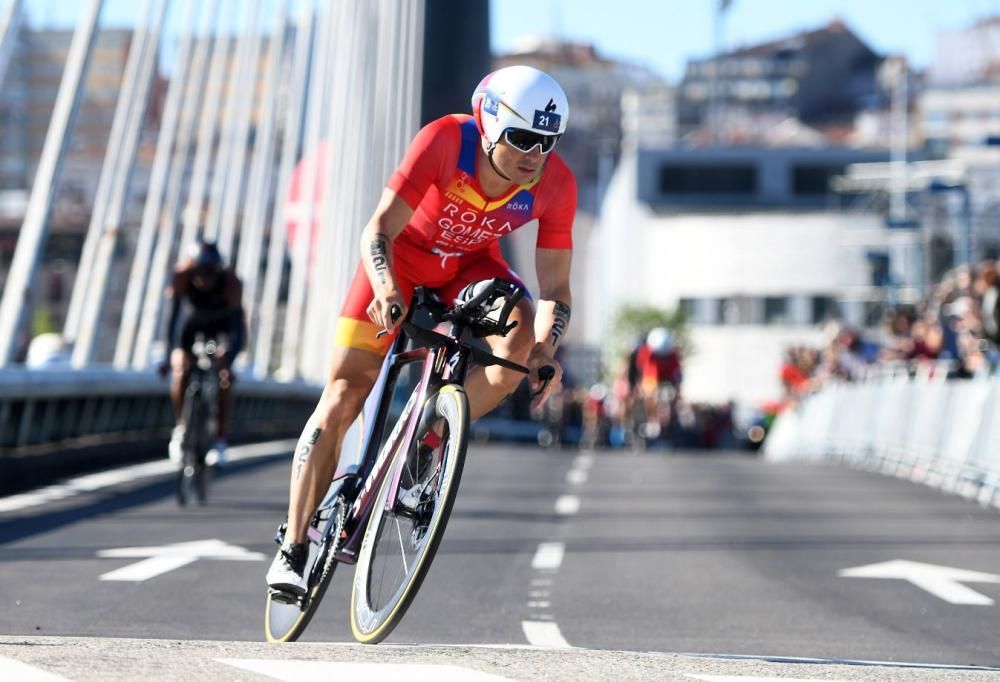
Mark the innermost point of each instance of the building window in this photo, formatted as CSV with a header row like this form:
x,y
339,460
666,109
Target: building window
x,y
775,310
823,308
813,180
733,179
689,306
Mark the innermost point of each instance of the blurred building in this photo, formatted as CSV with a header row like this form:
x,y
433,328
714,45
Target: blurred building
x,y
821,78
749,242
968,55
960,105
595,86
28,97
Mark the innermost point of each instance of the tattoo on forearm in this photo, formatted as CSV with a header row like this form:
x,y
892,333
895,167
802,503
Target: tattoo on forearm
x,y
378,251
304,451
560,322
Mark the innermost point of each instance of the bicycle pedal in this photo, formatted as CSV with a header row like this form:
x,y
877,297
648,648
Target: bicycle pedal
x,y
283,597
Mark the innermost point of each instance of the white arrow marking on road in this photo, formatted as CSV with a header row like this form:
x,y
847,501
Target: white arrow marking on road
x,y
943,582
168,557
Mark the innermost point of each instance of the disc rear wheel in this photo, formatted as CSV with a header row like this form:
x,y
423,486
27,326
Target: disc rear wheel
x,y
286,619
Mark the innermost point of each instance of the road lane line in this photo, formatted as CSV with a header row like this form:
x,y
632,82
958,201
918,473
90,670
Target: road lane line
x,y
544,634
583,461
106,479
576,476
567,505
294,671
11,669
539,604
549,555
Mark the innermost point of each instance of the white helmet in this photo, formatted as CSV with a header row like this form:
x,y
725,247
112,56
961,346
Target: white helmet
x,y
519,97
660,340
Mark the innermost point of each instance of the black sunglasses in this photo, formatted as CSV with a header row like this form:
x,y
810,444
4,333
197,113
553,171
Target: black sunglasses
x,y
525,140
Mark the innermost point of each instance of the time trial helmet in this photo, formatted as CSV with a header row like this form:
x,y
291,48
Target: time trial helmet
x,y
660,340
520,98
205,255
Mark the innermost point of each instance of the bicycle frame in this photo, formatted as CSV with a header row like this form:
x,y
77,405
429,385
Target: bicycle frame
x,y
373,467
202,391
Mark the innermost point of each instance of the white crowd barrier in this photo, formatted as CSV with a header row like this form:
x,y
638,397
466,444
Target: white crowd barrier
x,y
940,433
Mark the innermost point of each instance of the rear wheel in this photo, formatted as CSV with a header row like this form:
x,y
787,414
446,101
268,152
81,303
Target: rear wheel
x,y
400,542
285,619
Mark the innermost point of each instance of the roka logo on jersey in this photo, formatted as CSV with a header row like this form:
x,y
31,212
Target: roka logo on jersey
x,y
466,227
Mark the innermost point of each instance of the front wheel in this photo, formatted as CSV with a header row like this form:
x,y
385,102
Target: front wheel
x,y
403,534
192,476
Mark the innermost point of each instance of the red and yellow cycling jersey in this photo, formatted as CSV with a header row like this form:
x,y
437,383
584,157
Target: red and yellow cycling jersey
x,y
453,214
453,237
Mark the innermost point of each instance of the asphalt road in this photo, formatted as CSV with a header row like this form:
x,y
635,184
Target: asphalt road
x,y
707,554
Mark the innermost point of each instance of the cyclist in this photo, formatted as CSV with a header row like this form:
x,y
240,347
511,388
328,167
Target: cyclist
x,y
658,365
464,182
206,297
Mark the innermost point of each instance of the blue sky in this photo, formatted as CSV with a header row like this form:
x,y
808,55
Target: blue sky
x,y
663,34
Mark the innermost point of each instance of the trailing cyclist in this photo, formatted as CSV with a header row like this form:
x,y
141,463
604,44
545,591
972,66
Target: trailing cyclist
x,y
206,298
659,374
464,182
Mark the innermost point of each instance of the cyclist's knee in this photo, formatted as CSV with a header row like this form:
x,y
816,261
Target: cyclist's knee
x,y
180,363
340,403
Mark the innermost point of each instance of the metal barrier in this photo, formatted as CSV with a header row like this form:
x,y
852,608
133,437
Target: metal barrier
x,y
940,433
55,421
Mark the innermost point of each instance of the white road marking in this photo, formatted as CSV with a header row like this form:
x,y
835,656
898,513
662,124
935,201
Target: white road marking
x,y
169,557
583,462
541,582
106,479
544,634
743,678
549,555
22,672
941,581
294,671
576,476
539,604
539,594
567,505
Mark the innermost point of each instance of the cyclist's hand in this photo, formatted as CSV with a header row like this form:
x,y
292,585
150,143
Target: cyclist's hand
x,y
542,389
382,307
164,368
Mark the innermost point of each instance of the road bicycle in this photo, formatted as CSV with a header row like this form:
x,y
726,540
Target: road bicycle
x,y
387,515
200,413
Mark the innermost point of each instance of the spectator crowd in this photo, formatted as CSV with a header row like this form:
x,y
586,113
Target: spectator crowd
x,y
954,333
